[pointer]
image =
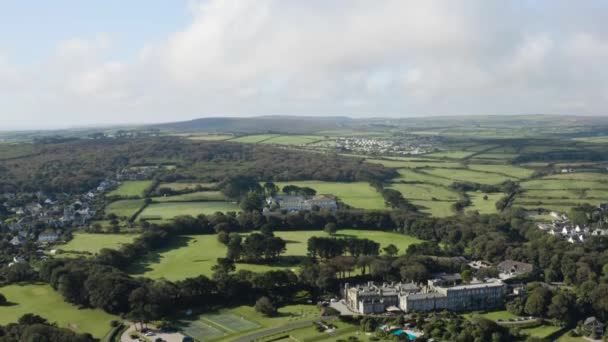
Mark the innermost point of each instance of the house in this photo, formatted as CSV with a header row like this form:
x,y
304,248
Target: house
x,y
48,236
592,327
299,203
17,241
544,226
510,269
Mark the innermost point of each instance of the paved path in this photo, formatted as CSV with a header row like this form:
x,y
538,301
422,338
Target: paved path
x,y
279,330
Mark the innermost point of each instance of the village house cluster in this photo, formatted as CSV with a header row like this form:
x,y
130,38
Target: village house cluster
x,y
295,203
378,146
443,292
562,227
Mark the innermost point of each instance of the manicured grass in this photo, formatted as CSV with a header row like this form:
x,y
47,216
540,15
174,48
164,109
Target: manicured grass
x,y
484,206
357,194
93,243
186,186
131,189
566,338
542,331
495,315
254,139
124,208
469,176
293,139
189,256
44,301
509,170
166,211
425,191
422,177
287,315
193,197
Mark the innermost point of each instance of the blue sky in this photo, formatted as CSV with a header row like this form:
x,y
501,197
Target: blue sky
x,y
79,63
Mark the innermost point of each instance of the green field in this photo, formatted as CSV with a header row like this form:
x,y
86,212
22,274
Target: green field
x,y
414,163
209,137
92,243
186,186
124,208
469,176
8,151
422,177
254,139
189,256
293,139
230,324
357,194
130,189
193,197
425,192
484,206
44,301
509,170
542,331
169,210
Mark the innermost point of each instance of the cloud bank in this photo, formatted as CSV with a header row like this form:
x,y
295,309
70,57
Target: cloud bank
x,y
358,58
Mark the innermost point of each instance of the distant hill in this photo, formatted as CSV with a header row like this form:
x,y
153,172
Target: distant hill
x,y
260,124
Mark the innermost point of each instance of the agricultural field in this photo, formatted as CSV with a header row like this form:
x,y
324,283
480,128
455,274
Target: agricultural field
x,y
357,194
508,170
124,208
425,192
464,175
421,177
451,154
93,243
169,210
293,139
414,163
230,324
131,189
192,197
46,302
9,151
187,186
209,137
254,139
190,256
484,206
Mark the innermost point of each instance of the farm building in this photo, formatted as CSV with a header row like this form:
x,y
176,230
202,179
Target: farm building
x,y
299,203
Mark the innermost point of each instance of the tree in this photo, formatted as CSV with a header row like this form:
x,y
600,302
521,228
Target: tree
x,y
270,189
264,306
391,250
537,302
563,307
466,275
578,217
252,201
330,228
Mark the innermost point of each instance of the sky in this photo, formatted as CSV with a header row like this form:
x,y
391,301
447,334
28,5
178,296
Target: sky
x,y
71,63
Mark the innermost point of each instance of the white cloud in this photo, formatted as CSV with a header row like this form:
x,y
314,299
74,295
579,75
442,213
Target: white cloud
x,y
355,57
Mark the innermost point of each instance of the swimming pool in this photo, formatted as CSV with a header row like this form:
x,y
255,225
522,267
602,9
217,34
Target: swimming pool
x,y
400,332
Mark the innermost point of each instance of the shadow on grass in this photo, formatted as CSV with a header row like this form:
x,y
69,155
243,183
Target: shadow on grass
x,y
282,261
144,265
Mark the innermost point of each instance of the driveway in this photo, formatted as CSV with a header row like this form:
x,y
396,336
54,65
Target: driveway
x,y
169,337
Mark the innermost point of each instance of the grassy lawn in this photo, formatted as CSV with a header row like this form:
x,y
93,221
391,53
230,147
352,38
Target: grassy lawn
x,y
451,154
189,256
495,315
186,186
435,208
93,243
193,197
425,192
566,338
44,301
230,324
540,332
166,211
131,189
357,194
124,208
484,206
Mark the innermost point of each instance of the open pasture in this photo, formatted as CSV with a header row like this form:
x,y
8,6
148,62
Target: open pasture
x,y
44,301
169,210
422,177
131,189
192,197
582,176
414,163
435,208
93,243
254,139
561,184
464,175
357,194
187,186
509,170
293,139
484,206
451,154
425,192
124,208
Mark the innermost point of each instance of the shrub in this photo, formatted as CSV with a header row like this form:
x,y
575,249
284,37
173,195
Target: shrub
x,y
265,307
